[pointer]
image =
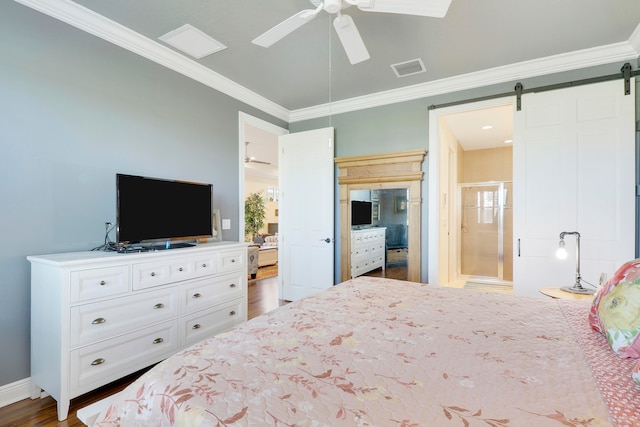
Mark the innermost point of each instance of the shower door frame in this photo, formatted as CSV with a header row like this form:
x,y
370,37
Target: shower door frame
x,y
460,208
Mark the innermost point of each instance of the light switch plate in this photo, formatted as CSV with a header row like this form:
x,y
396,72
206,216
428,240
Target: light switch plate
x,y
226,224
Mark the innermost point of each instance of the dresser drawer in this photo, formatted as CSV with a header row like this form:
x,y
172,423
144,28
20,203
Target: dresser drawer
x,y
206,323
203,293
104,319
360,252
98,283
232,260
150,274
107,360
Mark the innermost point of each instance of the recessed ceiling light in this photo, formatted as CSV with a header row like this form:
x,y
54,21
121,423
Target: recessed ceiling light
x,y
487,127
192,41
508,141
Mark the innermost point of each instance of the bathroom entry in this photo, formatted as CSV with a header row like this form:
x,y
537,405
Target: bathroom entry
x,y
486,231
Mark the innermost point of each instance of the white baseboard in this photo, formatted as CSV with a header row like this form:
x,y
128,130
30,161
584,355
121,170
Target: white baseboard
x,y
14,392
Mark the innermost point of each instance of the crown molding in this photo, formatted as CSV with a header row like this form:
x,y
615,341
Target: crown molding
x,y
634,40
623,51
100,26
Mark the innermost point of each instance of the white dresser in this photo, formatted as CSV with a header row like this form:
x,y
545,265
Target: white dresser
x,y
367,250
98,316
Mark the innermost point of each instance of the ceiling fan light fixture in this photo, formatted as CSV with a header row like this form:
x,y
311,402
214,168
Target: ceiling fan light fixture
x,y
332,6
345,27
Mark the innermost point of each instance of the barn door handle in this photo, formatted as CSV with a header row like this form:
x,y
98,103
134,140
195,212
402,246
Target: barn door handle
x,y
327,240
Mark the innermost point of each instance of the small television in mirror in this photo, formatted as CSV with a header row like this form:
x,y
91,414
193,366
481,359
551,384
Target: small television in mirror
x,y
361,212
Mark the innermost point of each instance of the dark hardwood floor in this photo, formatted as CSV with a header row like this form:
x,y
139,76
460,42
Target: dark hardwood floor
x,y
263,297
398,272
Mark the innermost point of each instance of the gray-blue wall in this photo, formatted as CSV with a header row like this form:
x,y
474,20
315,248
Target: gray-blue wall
x,y
74,111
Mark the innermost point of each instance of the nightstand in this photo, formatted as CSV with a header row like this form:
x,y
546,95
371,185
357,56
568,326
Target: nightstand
x,y
555,292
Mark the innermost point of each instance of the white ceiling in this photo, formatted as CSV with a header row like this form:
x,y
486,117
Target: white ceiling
x,y
481,129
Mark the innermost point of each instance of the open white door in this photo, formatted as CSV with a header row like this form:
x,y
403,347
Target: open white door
x,y
574,170
306,217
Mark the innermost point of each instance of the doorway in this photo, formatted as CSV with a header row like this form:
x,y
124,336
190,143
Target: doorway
x,y
259,172
470,144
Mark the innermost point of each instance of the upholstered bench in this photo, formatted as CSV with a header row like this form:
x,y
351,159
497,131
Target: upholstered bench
x,y
252,261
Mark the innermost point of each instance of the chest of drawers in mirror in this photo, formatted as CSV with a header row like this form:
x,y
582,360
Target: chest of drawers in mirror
x,y
367,250
98,316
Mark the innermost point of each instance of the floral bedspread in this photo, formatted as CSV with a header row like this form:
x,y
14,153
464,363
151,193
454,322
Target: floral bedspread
x,y
379,352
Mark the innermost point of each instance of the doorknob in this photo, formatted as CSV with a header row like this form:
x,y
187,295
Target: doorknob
x,y
327,240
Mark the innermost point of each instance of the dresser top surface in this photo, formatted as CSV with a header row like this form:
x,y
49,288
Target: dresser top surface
x,y
71,258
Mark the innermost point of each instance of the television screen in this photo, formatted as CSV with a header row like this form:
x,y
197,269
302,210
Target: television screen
x,y
360,212
152,209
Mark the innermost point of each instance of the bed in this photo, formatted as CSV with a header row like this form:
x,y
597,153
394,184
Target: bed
x,y
381,352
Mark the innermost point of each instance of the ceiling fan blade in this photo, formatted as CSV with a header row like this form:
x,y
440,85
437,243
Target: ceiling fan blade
x,y
350,39
286,27
259,161
433,8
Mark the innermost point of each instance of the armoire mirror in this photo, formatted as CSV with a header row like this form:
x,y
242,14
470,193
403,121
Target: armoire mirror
x,y
392,183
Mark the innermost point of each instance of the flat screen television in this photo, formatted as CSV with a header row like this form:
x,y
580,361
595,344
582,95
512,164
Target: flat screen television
x,y
154,209
361,212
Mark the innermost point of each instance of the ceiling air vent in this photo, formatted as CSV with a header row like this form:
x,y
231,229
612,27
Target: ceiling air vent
x,y
408,68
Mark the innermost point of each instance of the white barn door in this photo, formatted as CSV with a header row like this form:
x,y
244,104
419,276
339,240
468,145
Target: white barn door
x,y
306,217
574,170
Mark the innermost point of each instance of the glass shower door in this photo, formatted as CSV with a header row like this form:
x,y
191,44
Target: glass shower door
x,y
485,209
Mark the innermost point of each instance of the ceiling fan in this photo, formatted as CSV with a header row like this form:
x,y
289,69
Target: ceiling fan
x,y
344,25
251,159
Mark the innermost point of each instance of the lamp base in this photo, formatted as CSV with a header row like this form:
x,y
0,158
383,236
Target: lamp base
x,y
578,290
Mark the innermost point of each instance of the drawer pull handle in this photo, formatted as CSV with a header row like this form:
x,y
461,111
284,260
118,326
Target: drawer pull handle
x,y
158,340
158,305
232,313
197,295
153,274
196,326
232,285
98,362
233,260
99,321
103,282
180,269
204,265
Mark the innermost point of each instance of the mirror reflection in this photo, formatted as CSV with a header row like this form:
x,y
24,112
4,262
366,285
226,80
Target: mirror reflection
x,y
379,232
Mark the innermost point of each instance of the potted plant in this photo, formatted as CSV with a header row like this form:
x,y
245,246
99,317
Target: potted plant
x,y
254,214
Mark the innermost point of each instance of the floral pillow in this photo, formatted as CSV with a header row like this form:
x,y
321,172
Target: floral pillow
x,y
615,312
